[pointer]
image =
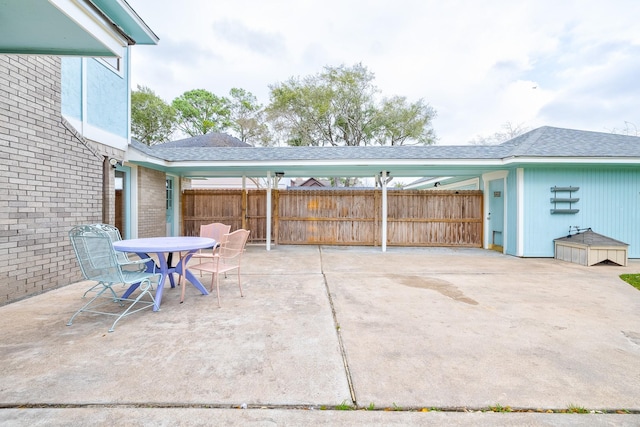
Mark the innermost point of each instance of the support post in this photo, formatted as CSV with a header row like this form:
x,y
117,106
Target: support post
x,y
269,210
383,231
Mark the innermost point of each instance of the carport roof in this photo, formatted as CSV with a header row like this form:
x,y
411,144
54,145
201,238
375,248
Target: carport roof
x,y
100,28
542,145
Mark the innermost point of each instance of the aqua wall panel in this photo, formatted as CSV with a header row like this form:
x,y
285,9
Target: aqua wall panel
x,y
71,97
609,204
107,99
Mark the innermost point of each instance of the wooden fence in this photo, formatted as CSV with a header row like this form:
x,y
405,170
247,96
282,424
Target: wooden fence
x,y
342,217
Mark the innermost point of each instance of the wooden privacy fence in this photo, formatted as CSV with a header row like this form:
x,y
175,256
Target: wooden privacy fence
x,y
342,217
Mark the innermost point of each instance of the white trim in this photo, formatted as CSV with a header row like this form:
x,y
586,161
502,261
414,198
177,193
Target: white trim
x,y
128,77
117,71
454,185
94,24
83,95
493,176
102,136
177,186
520,212
76,123
383,184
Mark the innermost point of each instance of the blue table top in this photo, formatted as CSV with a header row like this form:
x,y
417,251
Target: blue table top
x,y
163,244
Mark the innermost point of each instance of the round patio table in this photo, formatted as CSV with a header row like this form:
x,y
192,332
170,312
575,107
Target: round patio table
x,y
164,247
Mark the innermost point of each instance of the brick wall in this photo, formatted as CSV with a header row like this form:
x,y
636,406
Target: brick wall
x,y
152,217
50,179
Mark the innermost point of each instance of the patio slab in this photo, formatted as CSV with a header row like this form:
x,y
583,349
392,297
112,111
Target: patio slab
x,y
412,328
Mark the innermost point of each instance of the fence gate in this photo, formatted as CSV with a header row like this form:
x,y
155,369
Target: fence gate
x,y
342,217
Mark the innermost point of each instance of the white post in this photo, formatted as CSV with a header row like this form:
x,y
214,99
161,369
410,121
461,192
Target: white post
x,y
383,184
269,210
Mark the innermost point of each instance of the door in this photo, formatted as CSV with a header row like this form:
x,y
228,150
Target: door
x,y
495,216
170,206
123,201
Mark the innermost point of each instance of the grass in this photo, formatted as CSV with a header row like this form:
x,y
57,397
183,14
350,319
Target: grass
x,y
344,406
499,408
574,409
632,279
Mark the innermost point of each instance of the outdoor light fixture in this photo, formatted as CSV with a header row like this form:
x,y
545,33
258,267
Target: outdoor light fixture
x,y
115,162
279,174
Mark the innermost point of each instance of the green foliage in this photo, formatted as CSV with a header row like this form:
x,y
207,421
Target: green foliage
x,y
499,408
152,120
344,406
632,279
248,118
339,107
574,409
201,112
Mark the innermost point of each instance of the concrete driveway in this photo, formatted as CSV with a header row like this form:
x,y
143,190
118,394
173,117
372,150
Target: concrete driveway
x,y
448,331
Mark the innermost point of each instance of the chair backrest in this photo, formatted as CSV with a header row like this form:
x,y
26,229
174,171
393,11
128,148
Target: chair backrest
x,y
94,250
215,231
115,236
232,247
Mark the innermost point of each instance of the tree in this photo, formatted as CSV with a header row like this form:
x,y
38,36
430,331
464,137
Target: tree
x,y
152,120
399,121
629,129
339,107
248,118
201,112
508,131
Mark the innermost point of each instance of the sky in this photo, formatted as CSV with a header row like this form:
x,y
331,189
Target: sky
x,y
479,64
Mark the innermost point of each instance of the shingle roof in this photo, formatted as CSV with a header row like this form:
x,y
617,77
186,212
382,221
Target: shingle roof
x,y
542,142
558,142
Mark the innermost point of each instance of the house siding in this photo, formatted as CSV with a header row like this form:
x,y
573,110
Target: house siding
x,y
50,179
96,99
107,98
609,204
511,243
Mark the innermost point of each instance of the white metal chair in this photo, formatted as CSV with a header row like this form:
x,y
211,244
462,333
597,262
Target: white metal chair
x,y
226,258
99,262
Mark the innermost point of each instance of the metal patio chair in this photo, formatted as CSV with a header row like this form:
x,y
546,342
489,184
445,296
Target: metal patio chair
x,y
215,231
226,258
99,262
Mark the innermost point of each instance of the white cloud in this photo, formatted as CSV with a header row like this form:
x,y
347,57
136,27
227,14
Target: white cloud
x,y
476,63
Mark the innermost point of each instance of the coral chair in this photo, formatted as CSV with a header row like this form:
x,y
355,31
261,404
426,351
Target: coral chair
x,y
99,262
225,258
215,231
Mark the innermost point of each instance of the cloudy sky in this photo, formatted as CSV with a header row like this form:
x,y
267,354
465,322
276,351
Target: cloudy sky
x,y
479,64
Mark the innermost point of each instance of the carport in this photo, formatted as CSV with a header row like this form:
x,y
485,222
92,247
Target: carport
x,y
448,165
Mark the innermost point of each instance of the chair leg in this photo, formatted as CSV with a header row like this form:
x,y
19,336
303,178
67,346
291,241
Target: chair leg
x,y
183,285
240,284
218,288
145,285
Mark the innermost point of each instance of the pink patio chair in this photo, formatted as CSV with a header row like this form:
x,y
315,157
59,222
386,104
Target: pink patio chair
x,y
215,231
226,258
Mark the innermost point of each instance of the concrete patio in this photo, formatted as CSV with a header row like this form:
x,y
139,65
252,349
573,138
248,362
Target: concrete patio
x,y
451,331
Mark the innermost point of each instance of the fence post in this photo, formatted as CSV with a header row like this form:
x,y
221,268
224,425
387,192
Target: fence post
x,y
276,217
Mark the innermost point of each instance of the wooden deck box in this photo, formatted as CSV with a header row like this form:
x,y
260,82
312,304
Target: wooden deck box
x,y
589,248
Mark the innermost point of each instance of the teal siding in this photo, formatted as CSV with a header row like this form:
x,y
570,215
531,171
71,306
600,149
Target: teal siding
x,y
609,204
511,243
107,98
71,76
